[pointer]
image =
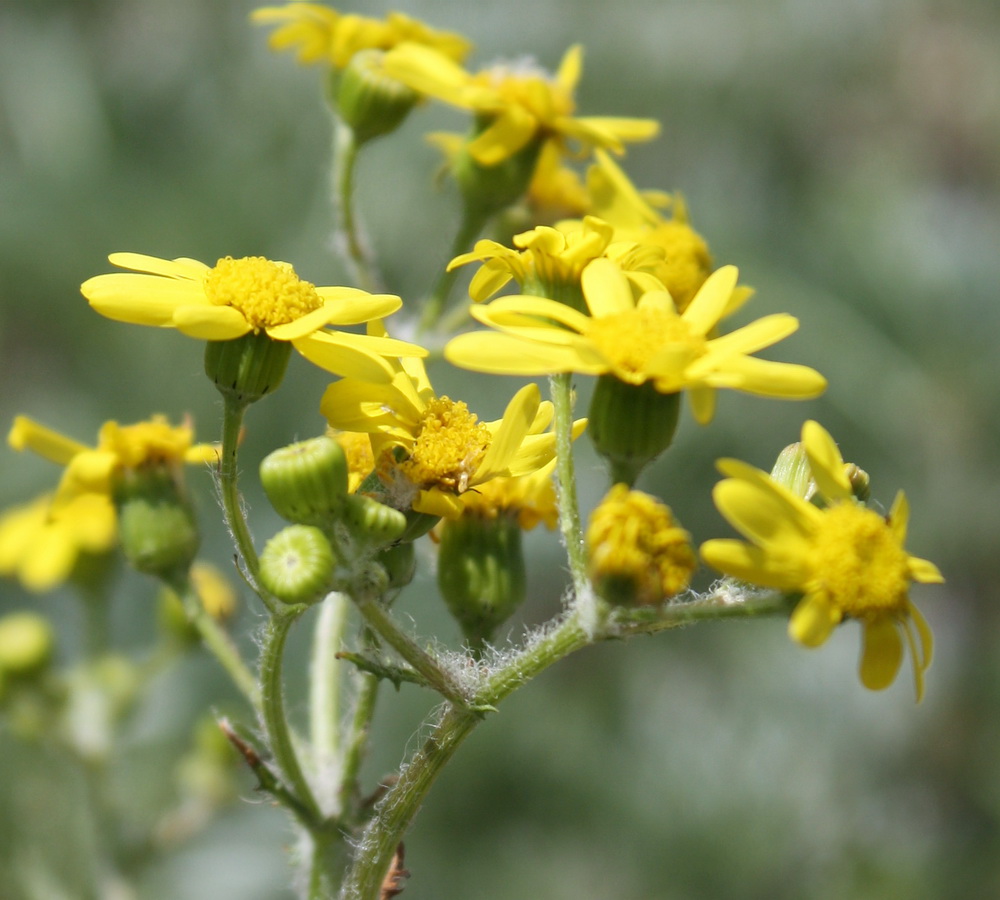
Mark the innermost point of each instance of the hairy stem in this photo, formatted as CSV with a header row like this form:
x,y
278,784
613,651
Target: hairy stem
x,y
469,229
569,511
324,697
357,251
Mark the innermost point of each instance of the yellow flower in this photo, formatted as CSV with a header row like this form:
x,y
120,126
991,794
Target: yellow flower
x,y
520,102
321,34
429,450
548,259
845,559
636,341
637,554
686,262
237,297
357,448
93,469
41,542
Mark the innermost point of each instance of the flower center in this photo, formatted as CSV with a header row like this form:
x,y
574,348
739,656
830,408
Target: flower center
x,y
629,340
449,447
686,262
525,83
861,567
267,293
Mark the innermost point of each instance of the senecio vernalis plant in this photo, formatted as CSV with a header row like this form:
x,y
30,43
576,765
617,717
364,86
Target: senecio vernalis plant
x,y
610,282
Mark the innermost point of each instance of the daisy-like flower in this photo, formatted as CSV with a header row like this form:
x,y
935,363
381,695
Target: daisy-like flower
x,y
251,295
429,450
636,341
636,217
42,541
318,33
518,103
529,500
119,448
550,262
846,560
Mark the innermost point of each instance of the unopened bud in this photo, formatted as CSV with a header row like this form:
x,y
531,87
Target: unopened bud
x,y
297,564
306,482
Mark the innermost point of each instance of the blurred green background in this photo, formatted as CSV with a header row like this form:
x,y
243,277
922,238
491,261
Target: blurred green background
x,y
846,156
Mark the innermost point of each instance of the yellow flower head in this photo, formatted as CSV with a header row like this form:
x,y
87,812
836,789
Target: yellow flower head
x,y
429,450
845,559
237,297
636,552
41,542
520,102
119,447
320,34
686,262
547,259
636,341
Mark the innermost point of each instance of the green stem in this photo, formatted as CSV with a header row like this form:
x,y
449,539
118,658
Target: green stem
x,y
232,505
397,809
569,511
400,804
358,253
218,643
357,740
324,694
434,676
472,224
273,710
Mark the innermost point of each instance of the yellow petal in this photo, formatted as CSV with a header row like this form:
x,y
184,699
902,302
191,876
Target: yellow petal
x,y
517,419
881,653
508,133
171,268
570,69
772,519
488,280
825,462
503,354
345,355
751,564
757,335
702,404
27,434
899,517
926,655
350,405
759,376
50,560
352,306
706,308
812,620
141,299
527,311
924,571
210,322
435,502
606,288
428,72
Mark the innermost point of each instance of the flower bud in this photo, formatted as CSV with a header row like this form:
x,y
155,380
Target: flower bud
x,y
860,482
246,368
26,643
637,554
791,470
481,573
630,425
399,562
486,190
370,101
306,482
297,564
371,522
157,529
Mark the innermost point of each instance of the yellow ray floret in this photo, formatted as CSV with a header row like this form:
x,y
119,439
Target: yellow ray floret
x,y
845,559
636,340
521,102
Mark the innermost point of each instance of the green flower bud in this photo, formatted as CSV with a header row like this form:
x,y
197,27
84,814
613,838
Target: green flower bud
x,y
486,190
297,564
306,482
157,529
370,101
860,482
26,643
630,425
371,522
399,562
481,573
791,470
248,367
